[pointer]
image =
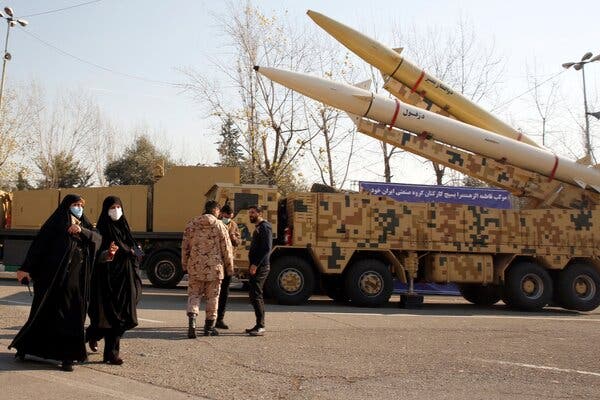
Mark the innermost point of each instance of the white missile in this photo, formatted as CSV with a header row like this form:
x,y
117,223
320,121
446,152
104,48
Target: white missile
x,y
392,112
392,63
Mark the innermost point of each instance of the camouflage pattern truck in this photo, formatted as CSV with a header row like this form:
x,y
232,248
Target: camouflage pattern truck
x,y
352,246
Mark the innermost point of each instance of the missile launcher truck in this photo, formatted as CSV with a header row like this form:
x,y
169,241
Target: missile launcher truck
x,y
354,245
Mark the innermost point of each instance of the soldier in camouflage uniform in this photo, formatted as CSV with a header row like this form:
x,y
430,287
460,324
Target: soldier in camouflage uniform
x,y
207,256
236,239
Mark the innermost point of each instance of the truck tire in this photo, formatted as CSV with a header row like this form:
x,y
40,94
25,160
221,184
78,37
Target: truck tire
x,y
164,269
291,280
578,287
528,286
369,283
479,294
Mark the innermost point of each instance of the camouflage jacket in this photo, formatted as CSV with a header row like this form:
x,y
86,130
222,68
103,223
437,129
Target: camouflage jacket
x,y
234,233
206,251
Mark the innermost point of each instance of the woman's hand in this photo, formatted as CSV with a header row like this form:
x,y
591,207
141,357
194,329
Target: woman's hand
x,y
74,229
22,274
112,249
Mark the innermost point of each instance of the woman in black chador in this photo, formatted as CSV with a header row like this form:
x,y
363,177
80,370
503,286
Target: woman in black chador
x,y
116,287
59,262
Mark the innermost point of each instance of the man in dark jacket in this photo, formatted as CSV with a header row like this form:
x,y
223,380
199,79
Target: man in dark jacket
x,y
260,249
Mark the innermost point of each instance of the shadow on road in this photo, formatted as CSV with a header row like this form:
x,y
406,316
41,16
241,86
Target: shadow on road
x,y
177,333
176,299
9,363
168,299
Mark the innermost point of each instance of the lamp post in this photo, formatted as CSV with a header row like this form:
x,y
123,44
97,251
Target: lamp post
x,y
10,21
579,65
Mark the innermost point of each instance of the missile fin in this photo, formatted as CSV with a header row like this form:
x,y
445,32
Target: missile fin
x,y
398,49
580,182
586,160
364,84
596,188
355,118
362,97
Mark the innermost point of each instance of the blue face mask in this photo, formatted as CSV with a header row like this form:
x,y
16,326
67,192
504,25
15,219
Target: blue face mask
x,y
76,211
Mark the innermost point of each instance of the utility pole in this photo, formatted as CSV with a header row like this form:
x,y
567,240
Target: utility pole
x,y
10,22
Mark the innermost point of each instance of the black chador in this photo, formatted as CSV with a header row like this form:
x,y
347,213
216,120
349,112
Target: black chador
x,y
116,287
60,265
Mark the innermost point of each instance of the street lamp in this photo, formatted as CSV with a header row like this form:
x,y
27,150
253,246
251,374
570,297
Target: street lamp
x,y
579,65
10,21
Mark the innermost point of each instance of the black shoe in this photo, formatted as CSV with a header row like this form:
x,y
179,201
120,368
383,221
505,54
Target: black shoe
x,y
191,326
93,345
191,333
248,330
259,331
20,356
209,328
114,361
221,325
67,365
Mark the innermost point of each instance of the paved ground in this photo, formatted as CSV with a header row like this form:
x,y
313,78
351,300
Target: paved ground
x,y
448,349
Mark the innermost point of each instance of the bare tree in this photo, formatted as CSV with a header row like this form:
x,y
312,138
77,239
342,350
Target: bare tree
x,y
544,98
457,58
332,137
17,116
268,116
72,129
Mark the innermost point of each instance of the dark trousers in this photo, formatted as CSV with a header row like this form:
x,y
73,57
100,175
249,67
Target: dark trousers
x,y
223,294
112,345
256,282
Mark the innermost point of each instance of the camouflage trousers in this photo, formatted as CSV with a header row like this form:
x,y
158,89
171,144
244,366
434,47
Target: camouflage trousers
x,y
206,290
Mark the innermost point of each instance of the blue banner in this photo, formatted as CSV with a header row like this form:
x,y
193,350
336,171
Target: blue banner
x,y
482,197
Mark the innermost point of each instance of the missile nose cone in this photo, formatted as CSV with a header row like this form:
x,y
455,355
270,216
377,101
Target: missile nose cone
x,y
256,67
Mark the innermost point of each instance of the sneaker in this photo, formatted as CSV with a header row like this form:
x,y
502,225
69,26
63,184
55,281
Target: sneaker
x,y
257,332
248,330
221,325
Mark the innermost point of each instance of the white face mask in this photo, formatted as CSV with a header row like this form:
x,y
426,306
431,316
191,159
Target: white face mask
x,y
115,213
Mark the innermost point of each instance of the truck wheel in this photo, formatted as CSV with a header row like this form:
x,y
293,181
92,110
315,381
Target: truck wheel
x,y
333,287
291,280
368,283
528,286
578,287
164,270
479,294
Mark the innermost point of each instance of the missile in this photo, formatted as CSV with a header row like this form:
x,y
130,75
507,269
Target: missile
x,y
391,63
428,125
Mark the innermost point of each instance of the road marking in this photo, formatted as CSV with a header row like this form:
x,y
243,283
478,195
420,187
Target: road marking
x,y
15,302
151,320
544,367
465,316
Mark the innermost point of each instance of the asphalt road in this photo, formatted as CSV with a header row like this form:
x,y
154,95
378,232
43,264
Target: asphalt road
x,y
447,349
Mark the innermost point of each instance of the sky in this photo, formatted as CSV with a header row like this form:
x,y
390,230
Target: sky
x,y
128,52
